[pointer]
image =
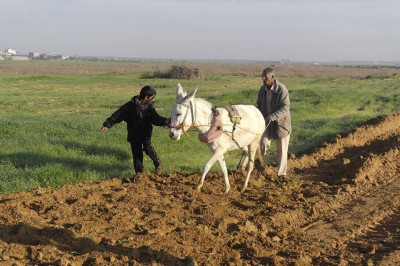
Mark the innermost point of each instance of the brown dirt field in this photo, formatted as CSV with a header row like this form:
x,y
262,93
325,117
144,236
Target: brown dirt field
x,y
340,207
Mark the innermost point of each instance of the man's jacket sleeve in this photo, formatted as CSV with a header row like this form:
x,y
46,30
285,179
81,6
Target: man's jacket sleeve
x,y
157,119
118,116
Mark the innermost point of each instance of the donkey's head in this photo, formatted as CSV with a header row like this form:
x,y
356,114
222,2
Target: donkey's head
x,y
182,113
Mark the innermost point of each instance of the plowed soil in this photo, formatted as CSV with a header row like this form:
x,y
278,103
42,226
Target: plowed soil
x,y
340,206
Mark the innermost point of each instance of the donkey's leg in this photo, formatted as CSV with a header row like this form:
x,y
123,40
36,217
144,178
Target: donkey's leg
x,y
245,161
265,144
206,168
250,165
260,156
224,170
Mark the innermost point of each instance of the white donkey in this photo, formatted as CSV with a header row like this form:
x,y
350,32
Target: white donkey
x,y
190,111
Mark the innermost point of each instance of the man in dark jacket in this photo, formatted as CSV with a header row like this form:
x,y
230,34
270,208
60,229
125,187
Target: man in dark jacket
x,y
273,102
140,116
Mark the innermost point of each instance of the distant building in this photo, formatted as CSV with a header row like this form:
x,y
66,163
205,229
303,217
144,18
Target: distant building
x,y
34,55
61,57
19,58
9,51
45,56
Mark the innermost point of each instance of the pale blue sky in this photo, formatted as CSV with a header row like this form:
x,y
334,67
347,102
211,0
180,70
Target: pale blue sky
x,y
307,30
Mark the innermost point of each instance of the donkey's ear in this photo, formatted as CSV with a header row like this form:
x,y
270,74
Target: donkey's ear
x,y
189,97
179,92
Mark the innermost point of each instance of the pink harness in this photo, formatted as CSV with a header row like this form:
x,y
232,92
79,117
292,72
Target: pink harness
x,y
215,130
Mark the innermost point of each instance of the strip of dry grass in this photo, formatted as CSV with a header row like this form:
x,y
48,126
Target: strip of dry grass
x,y
251,69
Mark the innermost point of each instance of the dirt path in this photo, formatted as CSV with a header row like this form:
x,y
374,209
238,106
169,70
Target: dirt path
x,y
341,208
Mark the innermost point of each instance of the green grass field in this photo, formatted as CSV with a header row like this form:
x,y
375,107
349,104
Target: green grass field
x,y
50,123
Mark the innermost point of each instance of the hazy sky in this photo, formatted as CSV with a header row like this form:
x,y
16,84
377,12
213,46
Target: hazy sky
x,y
298,30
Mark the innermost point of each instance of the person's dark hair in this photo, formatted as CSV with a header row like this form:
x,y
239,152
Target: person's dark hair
x,y
268,70
147,91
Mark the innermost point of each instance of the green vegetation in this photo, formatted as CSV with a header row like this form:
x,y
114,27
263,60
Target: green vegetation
x,y
50,123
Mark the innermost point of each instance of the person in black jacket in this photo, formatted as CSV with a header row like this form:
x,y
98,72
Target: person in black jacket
x,y
140,116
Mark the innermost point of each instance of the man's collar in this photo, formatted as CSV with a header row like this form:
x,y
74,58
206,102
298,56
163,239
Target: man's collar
x,y
273,87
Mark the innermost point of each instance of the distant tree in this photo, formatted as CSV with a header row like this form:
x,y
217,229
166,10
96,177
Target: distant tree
x,y
175,72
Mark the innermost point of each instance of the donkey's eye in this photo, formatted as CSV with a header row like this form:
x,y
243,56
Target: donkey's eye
x,y
178,114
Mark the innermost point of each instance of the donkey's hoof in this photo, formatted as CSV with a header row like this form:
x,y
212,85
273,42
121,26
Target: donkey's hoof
x,y
227,190
243,189
198,188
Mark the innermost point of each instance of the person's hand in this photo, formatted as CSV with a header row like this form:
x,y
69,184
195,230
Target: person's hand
x,y
168,121
103,129
267,120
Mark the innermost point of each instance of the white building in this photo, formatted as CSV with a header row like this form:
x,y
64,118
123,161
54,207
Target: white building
x,y
9,51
